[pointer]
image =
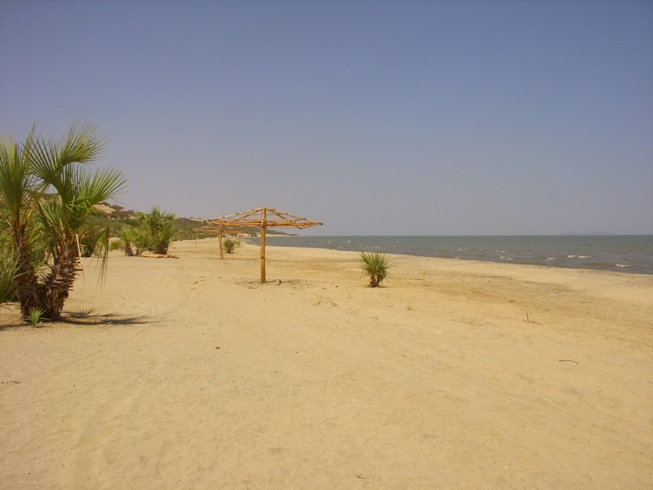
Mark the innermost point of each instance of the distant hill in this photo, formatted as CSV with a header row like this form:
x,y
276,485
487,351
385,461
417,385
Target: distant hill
x,y
113,211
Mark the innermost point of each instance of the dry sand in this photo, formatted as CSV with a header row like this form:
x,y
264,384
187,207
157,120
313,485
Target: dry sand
x,y
190,374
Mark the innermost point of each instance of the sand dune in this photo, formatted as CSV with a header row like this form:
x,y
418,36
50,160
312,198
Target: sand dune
x,y
190,374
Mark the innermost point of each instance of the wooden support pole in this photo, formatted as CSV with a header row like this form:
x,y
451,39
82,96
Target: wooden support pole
x,y
263,254
263,226
220,243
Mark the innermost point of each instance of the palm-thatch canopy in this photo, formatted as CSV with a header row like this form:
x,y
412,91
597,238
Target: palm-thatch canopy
x,y
262,218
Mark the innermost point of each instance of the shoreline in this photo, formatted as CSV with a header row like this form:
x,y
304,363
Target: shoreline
x,y
632,254
456,373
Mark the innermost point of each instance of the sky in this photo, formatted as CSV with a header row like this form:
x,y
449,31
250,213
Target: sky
x,y
375,117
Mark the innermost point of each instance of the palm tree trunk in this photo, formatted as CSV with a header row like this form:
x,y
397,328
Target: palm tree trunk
x,y
60,281
161,248
27,287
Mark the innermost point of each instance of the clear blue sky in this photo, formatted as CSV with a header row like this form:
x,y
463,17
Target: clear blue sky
x,y
376,117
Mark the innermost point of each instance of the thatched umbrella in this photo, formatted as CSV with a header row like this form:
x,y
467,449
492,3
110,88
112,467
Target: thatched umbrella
x,y
263,218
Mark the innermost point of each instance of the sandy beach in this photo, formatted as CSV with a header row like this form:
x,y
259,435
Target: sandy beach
x,y
189,373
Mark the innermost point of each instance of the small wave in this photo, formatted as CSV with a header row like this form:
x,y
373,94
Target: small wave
x,y
552,258
623,266
584,256
571,256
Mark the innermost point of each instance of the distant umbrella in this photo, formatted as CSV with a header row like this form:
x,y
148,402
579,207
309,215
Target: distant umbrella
x,y
263,218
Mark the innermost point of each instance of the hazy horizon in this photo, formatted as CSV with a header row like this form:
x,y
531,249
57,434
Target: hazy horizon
x,y
377,118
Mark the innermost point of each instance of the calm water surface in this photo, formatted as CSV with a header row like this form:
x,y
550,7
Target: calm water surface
x,y
632,254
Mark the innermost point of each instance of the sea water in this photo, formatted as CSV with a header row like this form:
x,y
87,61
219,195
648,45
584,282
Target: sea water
x,y
633,254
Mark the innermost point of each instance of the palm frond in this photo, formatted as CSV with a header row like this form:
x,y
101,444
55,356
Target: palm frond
x,y
17,184
50,159
103,185
82,144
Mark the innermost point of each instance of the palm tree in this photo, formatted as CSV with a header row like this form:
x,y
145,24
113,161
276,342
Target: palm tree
x,y
161,227
47,197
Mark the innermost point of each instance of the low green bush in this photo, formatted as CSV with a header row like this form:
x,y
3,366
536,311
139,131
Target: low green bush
x,y
230,245
376,266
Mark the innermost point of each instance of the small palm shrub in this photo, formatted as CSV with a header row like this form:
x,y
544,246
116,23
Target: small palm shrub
x,y
134,240
35,315
142,241
230,245
116,245
161,228
125,240
376,266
